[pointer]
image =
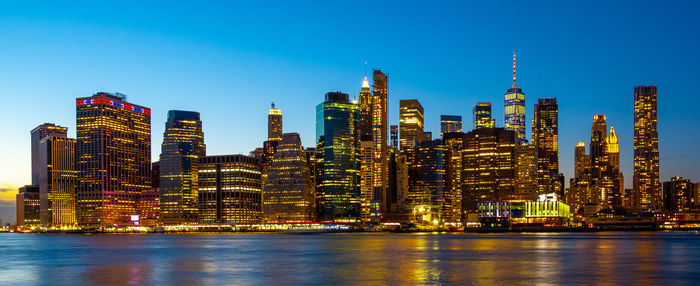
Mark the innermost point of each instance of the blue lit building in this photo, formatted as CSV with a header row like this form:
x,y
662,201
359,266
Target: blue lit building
x,y
338,155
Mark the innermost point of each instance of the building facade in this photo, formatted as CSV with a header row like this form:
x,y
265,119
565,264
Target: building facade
x,y
57,180
450,124
288,194
113,158
380,130
545,137
338,158
183,146
410,123
230,189
482,116
646,190
679,195
514,99
28,206
36,135
274,123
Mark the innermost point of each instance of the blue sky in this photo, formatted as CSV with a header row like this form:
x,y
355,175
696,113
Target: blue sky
x,y
229,60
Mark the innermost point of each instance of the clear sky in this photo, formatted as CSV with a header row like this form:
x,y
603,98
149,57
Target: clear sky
x,y
229,61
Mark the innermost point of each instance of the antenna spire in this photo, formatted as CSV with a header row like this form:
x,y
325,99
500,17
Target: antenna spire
x,y
365,68
513,70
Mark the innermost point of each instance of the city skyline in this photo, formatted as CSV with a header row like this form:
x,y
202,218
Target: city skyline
x,y
457,98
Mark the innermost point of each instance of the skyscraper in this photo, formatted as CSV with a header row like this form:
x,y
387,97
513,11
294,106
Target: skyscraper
x,y
482,116
515,108
394,136
489,165
646,191
274,123
28,206
337,135
365,102
679,194
545,137
581,160
113,158
288,194
380,118
410,122
57,179
37,134
429,186
230,189
450,123
183,146
599,136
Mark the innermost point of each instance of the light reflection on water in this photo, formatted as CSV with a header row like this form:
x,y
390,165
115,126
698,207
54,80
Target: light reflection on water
x,y
360,258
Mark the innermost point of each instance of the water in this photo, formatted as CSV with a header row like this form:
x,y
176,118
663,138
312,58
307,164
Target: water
x,y
351,258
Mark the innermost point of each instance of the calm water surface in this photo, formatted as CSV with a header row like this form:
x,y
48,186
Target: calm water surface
x,y
364,258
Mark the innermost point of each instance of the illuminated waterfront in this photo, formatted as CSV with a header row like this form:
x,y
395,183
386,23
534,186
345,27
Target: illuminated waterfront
x,y
365,258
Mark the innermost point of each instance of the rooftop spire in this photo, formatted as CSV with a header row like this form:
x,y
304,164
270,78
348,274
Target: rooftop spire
x,y
513,70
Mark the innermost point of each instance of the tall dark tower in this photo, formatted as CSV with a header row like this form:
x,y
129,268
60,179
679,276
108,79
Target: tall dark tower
x,y
380,130
515,108
545,137
599,136
365,102
183,146
647,190
113,158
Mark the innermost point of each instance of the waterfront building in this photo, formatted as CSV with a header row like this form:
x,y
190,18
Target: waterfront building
x,y
338,155
488,166
526,170
545,138
399,185
429,187
394,136
514,99
380,119
679,194
37,134
452,212
274,123
581,160
230,189
113,158
410,123
288,194
482,116
183,146
646,190
366,179
28,206
545,211
450,124
57,179
149,207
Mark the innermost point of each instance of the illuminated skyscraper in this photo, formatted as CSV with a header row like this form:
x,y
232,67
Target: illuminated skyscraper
x,y
113,158
366,179
183,146
410,122
394,136
612,150
230,189
449,124
28,206
288,194
274,124
482,116
679,194
647,191
452,212
37,134
57,179
599,136
545,137
489,166
380,129
338,156
581,160
526,170
515,108
429,186
365,102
